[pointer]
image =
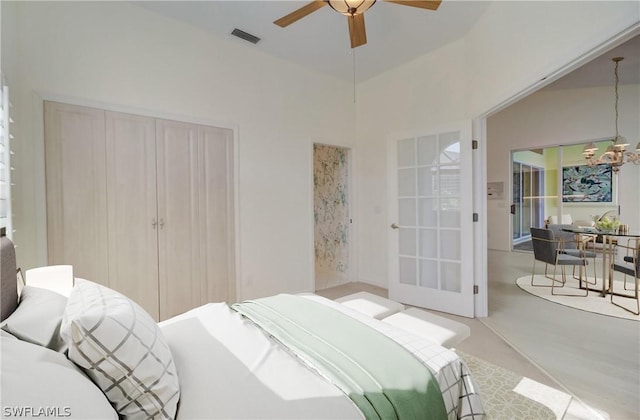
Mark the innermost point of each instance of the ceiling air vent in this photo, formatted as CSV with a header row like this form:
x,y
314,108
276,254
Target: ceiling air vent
x,y
246,36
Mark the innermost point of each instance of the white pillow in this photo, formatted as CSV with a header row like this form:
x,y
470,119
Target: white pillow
x,y
41,383
37,318
58,278
121,348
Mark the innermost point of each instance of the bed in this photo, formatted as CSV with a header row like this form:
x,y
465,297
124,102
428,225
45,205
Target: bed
x,y
97,355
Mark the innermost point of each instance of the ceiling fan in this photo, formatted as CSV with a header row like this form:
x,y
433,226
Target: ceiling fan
x,y
354,11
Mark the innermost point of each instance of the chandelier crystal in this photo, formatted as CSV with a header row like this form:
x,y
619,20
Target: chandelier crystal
x,y
616,153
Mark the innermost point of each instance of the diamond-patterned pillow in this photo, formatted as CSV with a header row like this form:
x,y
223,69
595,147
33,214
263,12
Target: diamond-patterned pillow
x,y
121,348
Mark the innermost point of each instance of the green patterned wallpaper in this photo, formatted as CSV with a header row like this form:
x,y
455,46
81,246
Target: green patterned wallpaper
x,y
331,208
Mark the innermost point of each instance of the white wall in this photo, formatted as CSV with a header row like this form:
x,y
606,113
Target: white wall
x,y
561,117
8,57
118,54
512,47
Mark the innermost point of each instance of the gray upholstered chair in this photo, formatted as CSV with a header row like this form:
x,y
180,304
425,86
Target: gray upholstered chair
x,y
549,249
630,266
575,245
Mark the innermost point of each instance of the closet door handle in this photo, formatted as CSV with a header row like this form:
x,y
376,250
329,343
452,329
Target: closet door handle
x,y
154,223
161,223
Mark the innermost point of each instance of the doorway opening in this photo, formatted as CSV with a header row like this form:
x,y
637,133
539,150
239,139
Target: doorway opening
x,y
332,215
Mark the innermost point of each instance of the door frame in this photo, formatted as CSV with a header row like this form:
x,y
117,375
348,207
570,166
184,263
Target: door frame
x,y
352,271
480,171
480,242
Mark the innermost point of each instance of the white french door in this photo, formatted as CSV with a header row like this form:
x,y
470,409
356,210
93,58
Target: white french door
x,y
431,216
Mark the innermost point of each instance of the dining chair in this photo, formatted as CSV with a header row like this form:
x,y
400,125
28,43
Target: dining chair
x,y
549,249
575,245
564,219
629,266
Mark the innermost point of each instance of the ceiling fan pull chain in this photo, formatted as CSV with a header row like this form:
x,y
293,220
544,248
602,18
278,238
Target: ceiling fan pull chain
x,y
353,58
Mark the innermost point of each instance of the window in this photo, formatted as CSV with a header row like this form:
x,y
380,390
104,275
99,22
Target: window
x,y
5,163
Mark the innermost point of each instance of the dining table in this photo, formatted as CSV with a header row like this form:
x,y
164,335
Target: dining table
x,y
609,239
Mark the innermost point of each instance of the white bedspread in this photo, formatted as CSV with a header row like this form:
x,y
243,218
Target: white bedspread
x,y
229,369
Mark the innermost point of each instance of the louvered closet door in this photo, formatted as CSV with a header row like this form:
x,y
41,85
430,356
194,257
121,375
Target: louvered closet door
x,y
194,214
76,189
132,208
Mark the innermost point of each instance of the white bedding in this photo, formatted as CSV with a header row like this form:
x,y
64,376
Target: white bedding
x,y
217,352
228,369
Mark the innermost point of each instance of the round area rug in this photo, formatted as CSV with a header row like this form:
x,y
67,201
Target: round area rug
x,y
592,303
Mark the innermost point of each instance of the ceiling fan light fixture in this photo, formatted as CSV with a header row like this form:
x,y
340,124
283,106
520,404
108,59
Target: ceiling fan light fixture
x,y
351,7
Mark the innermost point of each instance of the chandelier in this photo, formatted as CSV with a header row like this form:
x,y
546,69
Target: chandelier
x,y
616,154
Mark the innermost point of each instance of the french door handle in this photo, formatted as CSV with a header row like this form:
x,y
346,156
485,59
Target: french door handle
x,y
394,226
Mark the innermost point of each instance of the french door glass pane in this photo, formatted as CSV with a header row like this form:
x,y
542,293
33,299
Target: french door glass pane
x,y
450,244
450,275
429,274
427,181
450,212
427,212
450,181
407,242
407,182
427,150
450,147
407,211
428,246
408,274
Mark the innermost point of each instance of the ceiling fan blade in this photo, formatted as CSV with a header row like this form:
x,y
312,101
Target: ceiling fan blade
x,y
300,13
356,30
431,5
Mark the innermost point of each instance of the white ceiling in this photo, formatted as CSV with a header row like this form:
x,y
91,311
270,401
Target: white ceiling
x,y
600,71
395,34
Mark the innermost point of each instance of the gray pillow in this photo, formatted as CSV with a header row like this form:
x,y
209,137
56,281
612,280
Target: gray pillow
x,y
38,382
37,318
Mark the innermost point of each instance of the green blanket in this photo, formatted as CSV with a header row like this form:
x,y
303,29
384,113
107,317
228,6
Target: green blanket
x,y
383,379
